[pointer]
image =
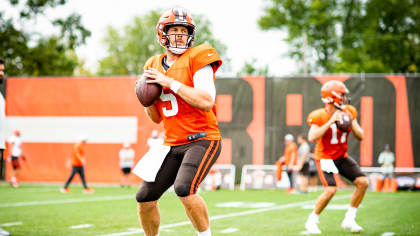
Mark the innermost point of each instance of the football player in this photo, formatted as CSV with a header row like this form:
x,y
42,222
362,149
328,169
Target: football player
x,y
188,112
289,159
78,161
126,156
16,154
331,153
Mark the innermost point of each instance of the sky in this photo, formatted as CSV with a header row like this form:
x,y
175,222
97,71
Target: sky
x,y
233,22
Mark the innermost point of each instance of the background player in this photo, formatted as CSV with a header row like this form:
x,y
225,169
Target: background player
x,y
126,156
155,141
386,159
303,163
289,159
16,153
186,107
78,161
331,153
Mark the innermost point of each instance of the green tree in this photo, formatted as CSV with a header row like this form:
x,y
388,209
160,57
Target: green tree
x,y
129,50
351,35
385,39
249,68
34,54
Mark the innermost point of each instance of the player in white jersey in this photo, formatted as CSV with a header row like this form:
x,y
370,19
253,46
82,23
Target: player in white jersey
x,y
154,141
386,160
15,155
126,155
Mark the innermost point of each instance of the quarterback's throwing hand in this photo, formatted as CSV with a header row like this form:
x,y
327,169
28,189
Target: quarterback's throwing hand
x,y
157,77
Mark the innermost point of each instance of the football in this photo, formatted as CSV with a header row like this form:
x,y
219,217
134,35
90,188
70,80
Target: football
x,y
147,93
345,123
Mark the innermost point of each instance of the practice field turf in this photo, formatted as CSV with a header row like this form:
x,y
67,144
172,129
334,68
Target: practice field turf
x,y
43,210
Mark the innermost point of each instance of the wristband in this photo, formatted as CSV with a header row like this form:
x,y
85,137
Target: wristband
x,y
175,85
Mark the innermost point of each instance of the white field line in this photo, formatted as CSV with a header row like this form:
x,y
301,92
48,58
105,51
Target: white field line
x,y
81,226
254,211
229,230
38,190
73,200
388,234
11,224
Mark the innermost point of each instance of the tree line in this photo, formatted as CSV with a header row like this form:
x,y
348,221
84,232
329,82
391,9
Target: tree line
x,y
330,36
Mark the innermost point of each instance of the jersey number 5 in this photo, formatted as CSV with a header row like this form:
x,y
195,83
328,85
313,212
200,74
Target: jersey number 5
x,y
169,97
334,139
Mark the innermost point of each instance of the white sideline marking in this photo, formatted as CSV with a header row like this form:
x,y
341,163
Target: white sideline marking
x,y
388,234
38,190
11,224
73,200
330,206
229,230
284,206
246,204
81,226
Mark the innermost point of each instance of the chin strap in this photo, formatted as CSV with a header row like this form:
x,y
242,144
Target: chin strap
x,y
177,50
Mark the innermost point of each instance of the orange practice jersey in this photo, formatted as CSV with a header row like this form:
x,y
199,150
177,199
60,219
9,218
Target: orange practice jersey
x,y
179,118
76,153
333,144
289,151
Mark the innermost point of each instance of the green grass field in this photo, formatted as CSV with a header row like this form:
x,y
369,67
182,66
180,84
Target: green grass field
x,y
43,210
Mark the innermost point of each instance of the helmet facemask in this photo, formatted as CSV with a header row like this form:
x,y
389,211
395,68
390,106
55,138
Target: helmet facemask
x,y
177,48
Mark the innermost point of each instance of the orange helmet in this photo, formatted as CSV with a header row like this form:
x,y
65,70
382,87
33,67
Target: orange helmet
x,y
16,132
335,92
172,17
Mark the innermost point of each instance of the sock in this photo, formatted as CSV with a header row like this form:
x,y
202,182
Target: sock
x,y
314,216
351,212
205,233
13,179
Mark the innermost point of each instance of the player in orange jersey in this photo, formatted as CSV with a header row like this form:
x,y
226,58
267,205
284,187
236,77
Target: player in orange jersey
x,y
289,159
331,153
78,161
188,111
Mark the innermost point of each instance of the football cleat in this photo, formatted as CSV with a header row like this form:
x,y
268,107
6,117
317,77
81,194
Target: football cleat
x,y
290,190
65,190
88,190
312,227
351,225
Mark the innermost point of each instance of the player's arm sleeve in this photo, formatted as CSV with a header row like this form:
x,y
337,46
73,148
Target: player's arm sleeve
x,y
203,79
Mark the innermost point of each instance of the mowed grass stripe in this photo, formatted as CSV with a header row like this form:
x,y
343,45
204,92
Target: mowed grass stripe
x,y
63,201
242,213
